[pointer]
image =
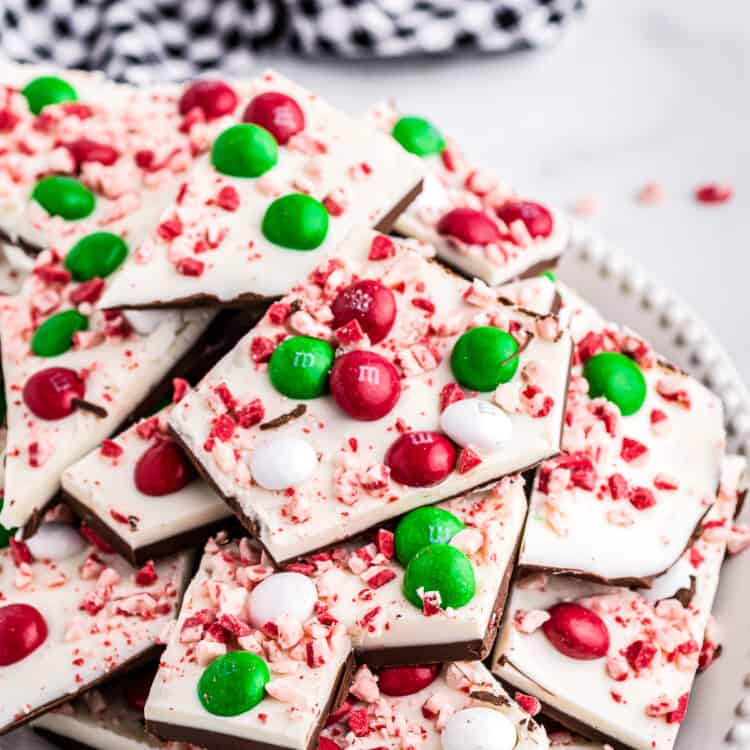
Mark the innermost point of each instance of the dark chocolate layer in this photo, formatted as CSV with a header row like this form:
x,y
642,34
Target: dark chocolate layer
x,y
137,556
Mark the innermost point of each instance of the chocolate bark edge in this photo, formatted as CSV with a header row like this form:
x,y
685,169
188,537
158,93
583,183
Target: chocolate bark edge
x,y
569,722
29,248
137,556
201,299
134,662
209,740
741,498
631,582
534,270
389,219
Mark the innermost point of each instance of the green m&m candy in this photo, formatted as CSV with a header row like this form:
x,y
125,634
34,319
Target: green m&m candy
x,y
55,335
64,196
418,136
549,275
442,568
244,150
96,255
422,527
233,683
483,357
618,379
296,222
300,366
48,90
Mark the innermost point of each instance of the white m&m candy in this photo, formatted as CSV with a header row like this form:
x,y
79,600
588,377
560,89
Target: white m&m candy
x,y
478,729
282,594
282,463
55,541
475,422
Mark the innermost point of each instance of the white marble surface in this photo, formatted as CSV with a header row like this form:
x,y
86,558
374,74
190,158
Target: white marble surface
x,y
637,91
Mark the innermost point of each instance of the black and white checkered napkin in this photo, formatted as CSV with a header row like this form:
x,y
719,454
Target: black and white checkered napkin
x,y
142,40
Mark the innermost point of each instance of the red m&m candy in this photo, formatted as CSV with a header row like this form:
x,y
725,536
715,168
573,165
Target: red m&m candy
x,y
536,218
421,459
470,226
370,303
163,469
399,681
365,385
213,98
278,113
85,150
22,630
577,631
51,393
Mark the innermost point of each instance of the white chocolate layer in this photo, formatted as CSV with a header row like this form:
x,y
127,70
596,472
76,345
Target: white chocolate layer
x,y
335,503
462,184
643,710
335,156
584,524
107,488
98,618
417,720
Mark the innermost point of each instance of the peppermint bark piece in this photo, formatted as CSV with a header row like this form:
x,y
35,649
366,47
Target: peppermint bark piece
x,y
385,584
435,707
141,493
255,659
321,468
73,613
614,664
476,222
74,373
641,462
81,154
283,184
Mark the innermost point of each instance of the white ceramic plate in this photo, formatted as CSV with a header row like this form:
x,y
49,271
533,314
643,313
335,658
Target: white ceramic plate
x,y
719,715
